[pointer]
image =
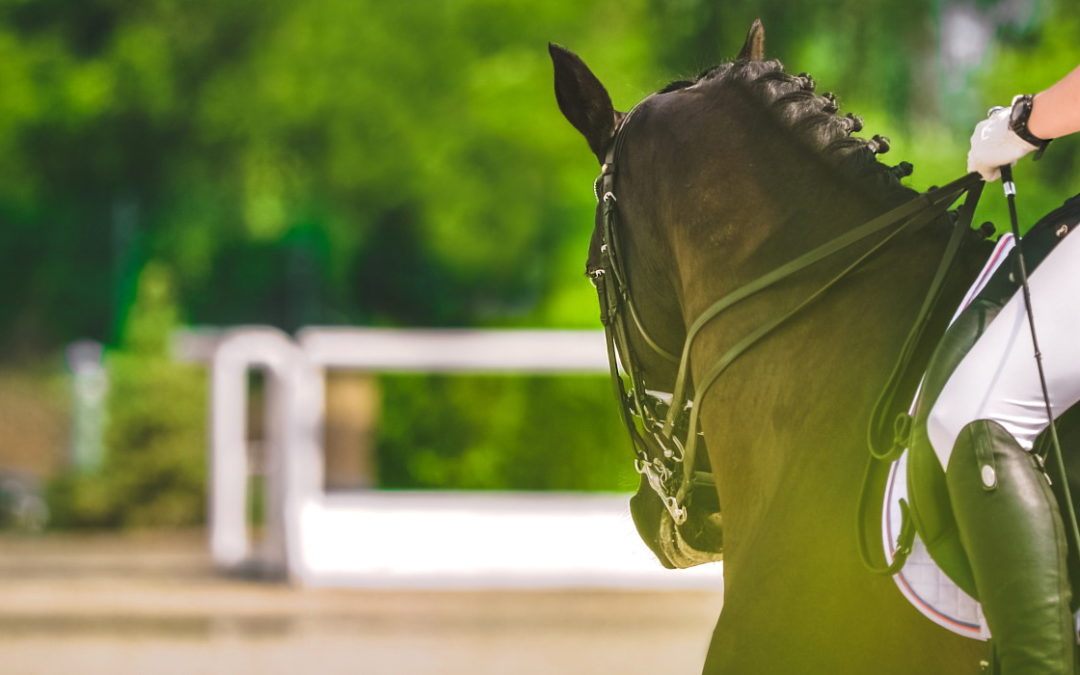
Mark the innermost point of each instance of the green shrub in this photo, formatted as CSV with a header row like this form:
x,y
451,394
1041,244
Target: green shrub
x,y
154,469
497,432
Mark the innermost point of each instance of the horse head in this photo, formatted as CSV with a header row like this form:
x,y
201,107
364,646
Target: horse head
x,y
586,104
697,154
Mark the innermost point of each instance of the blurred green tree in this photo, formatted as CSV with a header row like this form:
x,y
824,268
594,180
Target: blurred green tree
x,y
372,163
154,469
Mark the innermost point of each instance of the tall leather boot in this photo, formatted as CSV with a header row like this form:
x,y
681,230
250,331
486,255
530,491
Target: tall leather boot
x,y
1012,532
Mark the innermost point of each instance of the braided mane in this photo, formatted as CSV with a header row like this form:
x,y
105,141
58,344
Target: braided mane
x,y
812,117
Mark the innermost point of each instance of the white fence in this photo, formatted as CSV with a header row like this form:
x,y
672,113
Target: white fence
x,y
397,538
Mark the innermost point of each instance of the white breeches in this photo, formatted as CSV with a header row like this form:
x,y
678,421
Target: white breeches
x,y
998,380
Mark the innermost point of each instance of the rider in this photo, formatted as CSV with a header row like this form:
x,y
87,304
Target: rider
x,y
983,424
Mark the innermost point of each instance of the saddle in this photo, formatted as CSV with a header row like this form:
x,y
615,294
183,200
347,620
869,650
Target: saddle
x,y
929,508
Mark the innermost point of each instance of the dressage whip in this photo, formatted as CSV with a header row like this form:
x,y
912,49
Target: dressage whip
x,y
1009,187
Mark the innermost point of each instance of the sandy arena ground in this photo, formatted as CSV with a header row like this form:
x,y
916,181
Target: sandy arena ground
x,y
153,604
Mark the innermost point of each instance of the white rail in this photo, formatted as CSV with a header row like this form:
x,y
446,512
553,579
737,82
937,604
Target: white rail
x,y
456,350
378,538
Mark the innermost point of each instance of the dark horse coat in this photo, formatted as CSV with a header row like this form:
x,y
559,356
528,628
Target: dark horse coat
x,y
721,180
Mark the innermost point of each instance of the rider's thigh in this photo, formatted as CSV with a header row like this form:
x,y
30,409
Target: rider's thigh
x,y
998,379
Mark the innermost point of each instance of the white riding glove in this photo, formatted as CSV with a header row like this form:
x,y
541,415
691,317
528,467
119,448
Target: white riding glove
x,y
994,144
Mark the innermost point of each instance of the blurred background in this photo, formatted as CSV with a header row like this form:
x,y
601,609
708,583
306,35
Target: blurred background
x,y
172,166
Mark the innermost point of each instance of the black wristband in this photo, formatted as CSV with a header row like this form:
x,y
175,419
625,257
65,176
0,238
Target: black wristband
x,y
1018,122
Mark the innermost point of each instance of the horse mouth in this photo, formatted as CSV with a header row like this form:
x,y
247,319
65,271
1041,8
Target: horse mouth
x,y
697,541
677,552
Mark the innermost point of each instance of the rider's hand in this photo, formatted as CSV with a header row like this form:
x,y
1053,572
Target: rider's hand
x,y
994,145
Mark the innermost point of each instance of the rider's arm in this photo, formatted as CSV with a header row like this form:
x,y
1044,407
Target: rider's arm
x,y
1056,111
1052,113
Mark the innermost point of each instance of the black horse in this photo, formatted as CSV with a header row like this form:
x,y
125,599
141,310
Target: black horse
x,y
719,181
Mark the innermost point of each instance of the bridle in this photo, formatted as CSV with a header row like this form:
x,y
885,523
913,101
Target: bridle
x,y
660,458
665,433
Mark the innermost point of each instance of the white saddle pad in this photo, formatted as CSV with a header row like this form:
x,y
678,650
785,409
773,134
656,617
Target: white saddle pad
x,y
921,580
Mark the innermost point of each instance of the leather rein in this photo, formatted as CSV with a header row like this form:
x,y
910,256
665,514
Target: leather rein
x,y
664,431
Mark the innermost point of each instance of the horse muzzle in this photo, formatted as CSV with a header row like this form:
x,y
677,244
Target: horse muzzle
x,y
697,541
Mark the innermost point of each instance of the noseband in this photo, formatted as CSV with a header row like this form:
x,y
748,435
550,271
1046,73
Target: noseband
x,y
665,433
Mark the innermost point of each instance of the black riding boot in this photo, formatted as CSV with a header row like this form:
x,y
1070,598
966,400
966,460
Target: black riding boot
x,y
1011,529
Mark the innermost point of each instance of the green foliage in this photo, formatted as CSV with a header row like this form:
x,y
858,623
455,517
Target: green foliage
x,y
402,163
154,470
378,163
474,432
417,139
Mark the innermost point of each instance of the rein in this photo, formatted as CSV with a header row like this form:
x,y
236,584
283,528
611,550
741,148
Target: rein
x,y
665,434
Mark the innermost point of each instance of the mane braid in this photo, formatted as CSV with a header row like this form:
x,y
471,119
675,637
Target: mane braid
x,y
815,119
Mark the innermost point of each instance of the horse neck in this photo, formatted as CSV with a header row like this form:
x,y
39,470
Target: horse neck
x,y
785,429
782,200
804,393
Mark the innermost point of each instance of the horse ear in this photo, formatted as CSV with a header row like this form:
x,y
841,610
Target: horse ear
x,y
754,47
583,100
